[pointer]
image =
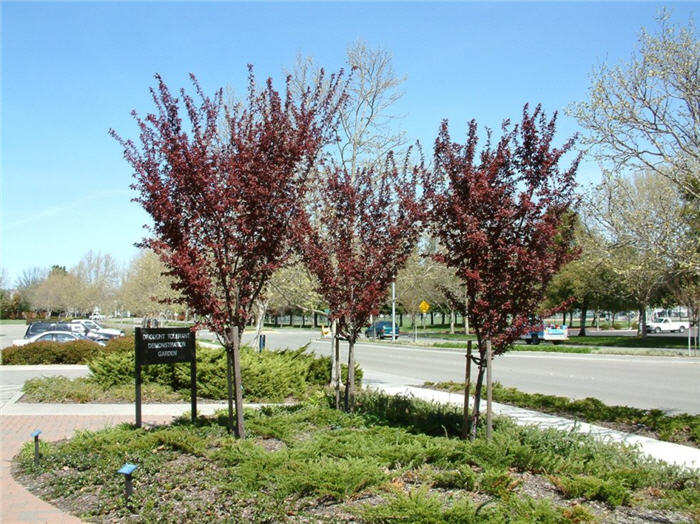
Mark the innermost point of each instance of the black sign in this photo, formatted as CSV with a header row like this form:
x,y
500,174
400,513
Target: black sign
x,y
164,345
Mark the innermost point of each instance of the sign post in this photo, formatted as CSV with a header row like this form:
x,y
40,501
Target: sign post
x,y
165,346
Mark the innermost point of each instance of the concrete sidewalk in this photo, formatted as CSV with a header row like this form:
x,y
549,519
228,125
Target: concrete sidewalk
x,y
683,456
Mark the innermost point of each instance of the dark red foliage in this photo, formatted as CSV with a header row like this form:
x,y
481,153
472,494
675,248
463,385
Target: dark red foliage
x,y
225,188
358,236
501,217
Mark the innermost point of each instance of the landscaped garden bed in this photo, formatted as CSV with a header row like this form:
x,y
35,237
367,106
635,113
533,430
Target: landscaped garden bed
x,y
394,460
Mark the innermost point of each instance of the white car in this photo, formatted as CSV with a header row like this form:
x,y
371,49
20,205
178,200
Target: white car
x,y
664,324
54,336
92,329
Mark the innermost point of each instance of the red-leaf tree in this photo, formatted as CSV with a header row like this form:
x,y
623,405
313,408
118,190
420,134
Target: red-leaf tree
x,y
355,239
501,217
224,191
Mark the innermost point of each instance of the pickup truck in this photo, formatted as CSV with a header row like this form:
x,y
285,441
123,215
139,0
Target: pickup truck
x,y
547,332
664,324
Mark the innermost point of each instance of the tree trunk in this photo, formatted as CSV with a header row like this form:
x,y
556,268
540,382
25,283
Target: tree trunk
x,y
582,320
350,382
466,425
235,388
452,322
642,326
338,376
237,382
466,312
333,360
229,386
489,391
476,410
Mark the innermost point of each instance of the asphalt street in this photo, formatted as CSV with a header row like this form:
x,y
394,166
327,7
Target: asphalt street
x,y
671,384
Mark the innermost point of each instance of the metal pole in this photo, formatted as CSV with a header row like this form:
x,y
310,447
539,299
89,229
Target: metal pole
x,y
129,486
333,334
393,310
137,376
489,392
36,446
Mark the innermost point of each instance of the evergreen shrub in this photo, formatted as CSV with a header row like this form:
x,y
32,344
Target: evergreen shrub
x,y
36,353
271,376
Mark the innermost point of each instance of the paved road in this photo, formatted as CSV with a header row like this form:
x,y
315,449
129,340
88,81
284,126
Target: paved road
x,y
668,383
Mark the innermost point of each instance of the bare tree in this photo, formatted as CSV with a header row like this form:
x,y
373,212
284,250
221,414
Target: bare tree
x,y
99,275
646,113
643,236
147,289
367,130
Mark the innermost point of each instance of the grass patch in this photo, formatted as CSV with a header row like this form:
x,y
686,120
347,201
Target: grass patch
x,y
550,348
310,463
85,390
631,342
682,428
595,341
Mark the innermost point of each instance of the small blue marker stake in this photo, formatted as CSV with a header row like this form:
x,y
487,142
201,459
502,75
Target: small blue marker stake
x,y
126,470
35,434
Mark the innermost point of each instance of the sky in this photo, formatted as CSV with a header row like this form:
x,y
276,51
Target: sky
x,y
71,71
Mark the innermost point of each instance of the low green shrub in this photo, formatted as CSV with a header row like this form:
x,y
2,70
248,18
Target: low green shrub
x,y
269,376
611,492
461,478
334,466
121,345
674,428
78,352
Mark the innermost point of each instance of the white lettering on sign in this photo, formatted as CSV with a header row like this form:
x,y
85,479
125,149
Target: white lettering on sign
x,y
167,353
163,345
178,336
154,336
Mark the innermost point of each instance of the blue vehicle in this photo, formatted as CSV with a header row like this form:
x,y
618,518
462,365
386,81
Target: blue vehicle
x,y
382,330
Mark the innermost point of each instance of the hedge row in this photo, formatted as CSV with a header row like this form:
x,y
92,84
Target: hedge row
x,y
78,352
270,375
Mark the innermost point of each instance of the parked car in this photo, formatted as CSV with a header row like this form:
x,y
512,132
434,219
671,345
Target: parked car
x,y
664,324
97,316
94,330
55,336
40,327
538,331
382,330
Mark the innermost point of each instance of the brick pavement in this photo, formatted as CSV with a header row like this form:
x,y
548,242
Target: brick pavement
x,y
17,505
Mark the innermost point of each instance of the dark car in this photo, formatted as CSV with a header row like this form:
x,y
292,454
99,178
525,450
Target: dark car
x,y
382,330
39,327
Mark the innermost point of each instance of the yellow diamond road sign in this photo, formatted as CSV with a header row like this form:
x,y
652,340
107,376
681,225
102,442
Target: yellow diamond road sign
x,y
424,306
